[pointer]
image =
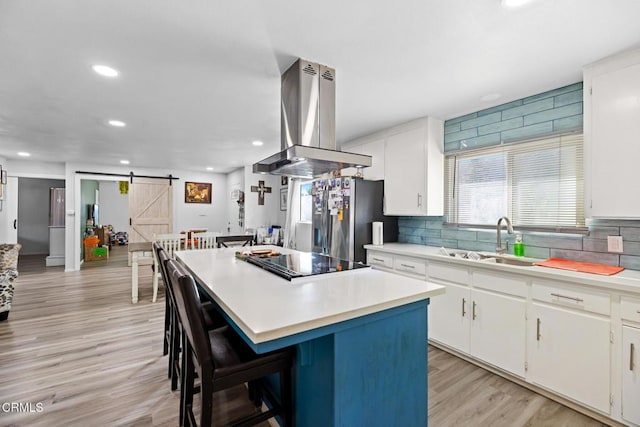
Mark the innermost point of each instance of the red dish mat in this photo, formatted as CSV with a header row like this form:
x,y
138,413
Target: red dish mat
x,y
584,267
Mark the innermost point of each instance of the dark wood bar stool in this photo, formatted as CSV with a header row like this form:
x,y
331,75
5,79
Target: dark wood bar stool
x,y
221,359
172,323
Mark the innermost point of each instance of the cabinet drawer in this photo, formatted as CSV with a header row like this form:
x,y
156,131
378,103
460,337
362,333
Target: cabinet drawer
x,y
505,284
630,309
380,259
411,265
569,296
449,273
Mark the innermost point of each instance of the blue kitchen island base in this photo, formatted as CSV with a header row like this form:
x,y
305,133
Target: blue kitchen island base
x,y
370,372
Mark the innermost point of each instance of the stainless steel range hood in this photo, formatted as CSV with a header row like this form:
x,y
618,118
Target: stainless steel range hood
x,y
307,121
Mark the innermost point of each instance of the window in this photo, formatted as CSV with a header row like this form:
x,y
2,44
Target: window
x,y
535,183
306,201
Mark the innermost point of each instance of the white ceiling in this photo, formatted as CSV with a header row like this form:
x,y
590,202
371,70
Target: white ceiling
x,y
200,79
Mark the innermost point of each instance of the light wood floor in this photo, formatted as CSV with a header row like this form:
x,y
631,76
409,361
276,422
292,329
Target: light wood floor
x,y
75,343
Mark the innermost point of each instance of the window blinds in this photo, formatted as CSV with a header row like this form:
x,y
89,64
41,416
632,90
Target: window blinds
x,y
537,183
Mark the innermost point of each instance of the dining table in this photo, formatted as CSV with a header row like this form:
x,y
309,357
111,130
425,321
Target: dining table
x,y
360,336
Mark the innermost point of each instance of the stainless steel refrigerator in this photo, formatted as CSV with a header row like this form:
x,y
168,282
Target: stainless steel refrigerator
x,y
343,211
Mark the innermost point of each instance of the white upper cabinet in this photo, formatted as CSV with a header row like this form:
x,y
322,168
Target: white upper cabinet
x,y
410,159
373,147
612,136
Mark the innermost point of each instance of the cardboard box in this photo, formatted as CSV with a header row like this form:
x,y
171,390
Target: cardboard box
x,y
97,253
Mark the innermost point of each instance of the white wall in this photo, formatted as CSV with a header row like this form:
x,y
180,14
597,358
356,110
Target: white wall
x,y
114,207
235,181
269,213
35,169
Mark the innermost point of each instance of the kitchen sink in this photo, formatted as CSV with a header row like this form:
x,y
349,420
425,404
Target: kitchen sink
x,y
507,261
492,257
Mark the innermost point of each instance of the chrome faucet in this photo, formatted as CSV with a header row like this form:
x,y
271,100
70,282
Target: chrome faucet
x,y
499,248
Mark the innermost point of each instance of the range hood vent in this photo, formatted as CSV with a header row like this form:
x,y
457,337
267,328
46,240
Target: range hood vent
x,y
307,126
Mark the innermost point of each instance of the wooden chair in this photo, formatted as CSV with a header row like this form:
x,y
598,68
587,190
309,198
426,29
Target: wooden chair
x,y
205,240
245,239
170,243
221,359
190,242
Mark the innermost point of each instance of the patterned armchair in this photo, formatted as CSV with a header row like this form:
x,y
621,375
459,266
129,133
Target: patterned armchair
x,y
8,274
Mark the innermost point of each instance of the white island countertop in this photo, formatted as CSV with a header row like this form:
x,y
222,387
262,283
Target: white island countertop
x,y
267,307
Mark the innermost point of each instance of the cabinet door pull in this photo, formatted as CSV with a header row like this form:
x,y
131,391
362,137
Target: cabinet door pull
x,y
464,302
538,329
631,356
408,266
473,311
378,259
566,297
419,200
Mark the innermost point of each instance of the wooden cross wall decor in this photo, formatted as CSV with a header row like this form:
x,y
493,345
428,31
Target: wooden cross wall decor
x,y
260,189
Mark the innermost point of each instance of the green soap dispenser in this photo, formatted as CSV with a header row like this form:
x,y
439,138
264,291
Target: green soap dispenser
x,y
518,246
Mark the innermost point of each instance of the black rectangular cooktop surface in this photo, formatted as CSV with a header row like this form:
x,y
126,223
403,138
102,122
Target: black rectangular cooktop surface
x,y
303,264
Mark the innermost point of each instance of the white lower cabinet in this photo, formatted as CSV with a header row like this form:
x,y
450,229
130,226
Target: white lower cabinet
x,y
489,326
449,317
631,374
498,327
570,354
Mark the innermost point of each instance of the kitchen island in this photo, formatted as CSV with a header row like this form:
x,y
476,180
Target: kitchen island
x,y
360,335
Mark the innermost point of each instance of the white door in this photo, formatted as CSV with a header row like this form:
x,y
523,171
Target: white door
x,y
631,374
570,354
150,208
9,213
498,328
449,317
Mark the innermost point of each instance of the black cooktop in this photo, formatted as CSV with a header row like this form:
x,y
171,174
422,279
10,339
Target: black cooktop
x,y
291,266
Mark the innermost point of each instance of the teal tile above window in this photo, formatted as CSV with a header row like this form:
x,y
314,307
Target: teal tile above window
x,y
558,110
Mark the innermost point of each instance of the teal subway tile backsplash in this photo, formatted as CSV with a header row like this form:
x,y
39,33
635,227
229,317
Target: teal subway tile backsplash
x,y
534,107
482,120
480,141
553,114
558,110
568,123
568,98
591,248
461,119
457,136
631,262
531,131
516,122
554,92
630,233
451,128
500,107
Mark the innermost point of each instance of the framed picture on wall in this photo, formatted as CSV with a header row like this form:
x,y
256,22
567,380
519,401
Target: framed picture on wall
x,y
197,192
283,199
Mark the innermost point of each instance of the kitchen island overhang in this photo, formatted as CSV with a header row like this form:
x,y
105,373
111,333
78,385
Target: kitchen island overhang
x,y
360,336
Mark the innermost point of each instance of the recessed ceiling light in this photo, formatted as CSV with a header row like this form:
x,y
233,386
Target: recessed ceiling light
x,y
23,154
514,3
124,162
209,168
105,71
490,97
258,143
117,123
